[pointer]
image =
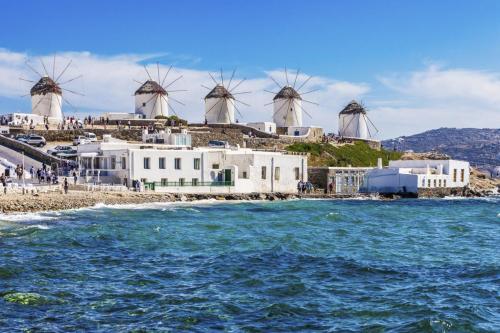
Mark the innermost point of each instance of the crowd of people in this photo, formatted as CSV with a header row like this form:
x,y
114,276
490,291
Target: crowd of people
x,y
305,187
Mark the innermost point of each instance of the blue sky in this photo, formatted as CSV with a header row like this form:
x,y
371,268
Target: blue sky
x,y
384,47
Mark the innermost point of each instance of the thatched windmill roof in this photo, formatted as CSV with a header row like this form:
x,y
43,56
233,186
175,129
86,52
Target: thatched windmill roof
x,y
352,108
287,92
219,92
150,87
44,86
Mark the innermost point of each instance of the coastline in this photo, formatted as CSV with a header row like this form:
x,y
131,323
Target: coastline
x,y
56,201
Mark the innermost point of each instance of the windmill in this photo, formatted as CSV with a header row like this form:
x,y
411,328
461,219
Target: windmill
x,y
288,102
152,97
220,102
354,122
47,92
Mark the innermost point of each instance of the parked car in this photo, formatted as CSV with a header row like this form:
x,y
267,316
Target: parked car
x,y
21,137
58,150
80,140
90,136
218,144
35,140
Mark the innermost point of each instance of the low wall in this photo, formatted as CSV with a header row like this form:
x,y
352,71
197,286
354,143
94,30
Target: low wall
x,y
30,151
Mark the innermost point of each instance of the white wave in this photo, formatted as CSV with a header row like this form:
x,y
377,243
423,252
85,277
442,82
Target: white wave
x,y
21,217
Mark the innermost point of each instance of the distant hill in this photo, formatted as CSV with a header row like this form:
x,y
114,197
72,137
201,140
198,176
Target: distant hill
x,y
479,146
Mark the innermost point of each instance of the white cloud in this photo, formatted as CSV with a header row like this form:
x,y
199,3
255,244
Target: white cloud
x,y
438,97
108,85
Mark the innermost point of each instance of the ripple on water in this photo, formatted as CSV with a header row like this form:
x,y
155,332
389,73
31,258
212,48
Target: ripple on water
x,y
344,265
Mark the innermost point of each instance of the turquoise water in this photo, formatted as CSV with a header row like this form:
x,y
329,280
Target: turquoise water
x,y
304,266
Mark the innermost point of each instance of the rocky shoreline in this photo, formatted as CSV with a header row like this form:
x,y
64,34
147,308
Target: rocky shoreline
x,y
54,201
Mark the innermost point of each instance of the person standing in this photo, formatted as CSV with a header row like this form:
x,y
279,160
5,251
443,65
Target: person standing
x,y
75,177
66,185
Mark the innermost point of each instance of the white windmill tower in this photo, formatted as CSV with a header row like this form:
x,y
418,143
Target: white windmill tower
x,y
152,98
354,122
47,93
288,103
220,103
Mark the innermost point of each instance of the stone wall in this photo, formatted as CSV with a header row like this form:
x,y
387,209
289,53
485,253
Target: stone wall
x,y
30,151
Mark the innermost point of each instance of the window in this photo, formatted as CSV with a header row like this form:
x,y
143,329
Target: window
x,y
113,162
196,164
454,175
124,162
177,163
182,181
428,183
440,183
146,163
161,163
215,166
245,175
263,172
194,182
164,182
277,173
297,173
143,104
435,183
462,175
423,182
444,182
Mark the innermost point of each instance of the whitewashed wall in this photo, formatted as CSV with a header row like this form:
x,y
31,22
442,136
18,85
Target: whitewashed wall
x,y
353,126
287,113
221,110
50,106
150,106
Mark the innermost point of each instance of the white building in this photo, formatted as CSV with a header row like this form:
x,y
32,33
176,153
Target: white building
x,y
408,176
287,105
151,100
219,106
353,122
169,168
46,100
264,126
182,139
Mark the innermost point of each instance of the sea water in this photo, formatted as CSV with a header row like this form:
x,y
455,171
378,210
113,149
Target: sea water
x,y
294,266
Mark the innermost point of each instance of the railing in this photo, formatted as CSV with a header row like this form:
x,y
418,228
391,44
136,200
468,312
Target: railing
x,y
167,184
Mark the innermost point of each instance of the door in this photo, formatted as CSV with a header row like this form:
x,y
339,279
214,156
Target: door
x,y
227,176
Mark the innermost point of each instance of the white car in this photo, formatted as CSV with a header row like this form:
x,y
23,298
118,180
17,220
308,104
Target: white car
x,y
58,150
80,140
91,137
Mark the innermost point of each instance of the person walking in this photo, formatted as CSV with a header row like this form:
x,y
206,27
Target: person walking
x,y
75,177
3,179
66,185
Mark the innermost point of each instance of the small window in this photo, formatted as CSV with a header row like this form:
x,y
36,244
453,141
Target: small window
x,y
263,172
177,163
277,173
245,176
113,163
440,183
297,173
182,181
423,182
124,162
161,163
196,164
428,183
215,166
164,182
435,183
147,163
143,104
454,175
444,182
462,175
194,182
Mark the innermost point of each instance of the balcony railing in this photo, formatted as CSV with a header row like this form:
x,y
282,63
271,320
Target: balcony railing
x,y
172,184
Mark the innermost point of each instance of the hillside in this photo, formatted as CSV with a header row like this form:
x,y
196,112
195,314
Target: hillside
x,y
479,146
357,155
